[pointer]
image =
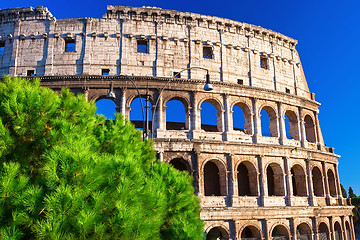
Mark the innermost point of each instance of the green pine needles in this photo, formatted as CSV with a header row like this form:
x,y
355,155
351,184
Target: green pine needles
x,y
66,173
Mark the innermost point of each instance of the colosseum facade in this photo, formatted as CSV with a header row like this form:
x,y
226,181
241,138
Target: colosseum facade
x,y
283,184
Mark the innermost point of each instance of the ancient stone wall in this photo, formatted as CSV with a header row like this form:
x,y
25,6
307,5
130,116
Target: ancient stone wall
x,y
251,185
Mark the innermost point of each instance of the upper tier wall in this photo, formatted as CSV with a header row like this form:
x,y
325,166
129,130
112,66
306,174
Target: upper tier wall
x,y
34,40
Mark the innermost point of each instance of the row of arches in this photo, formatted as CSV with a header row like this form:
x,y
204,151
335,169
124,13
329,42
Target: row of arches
x,y
281,232
215,181
177,117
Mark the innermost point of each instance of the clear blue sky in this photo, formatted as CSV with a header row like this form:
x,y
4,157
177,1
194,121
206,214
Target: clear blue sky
x,y
329,47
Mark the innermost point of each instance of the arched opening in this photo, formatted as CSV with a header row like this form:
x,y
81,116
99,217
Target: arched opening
x,y
323,232
106,107
180,164
211,116
280,233
331,181
298,181
303,232
136,116
348,231
176,118
337,231
217,233
211,179
310,129
247,179
268,122
291,125
317,182
275,180
250,233
242,118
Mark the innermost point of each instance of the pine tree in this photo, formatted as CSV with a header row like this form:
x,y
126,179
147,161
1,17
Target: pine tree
x,y
351,193
66,173
343,191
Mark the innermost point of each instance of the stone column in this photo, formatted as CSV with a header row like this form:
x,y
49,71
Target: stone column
x,y
288,182
257,123
314,228
292,229
227,123
195,119
261,181
317,129
338,184
197,174
158,115
231,178
16,44
343,228
310,183
282,128
88,48
352,227
48,68
332,235
302,128
265,230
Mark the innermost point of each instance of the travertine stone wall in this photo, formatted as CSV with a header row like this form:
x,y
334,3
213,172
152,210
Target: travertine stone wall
x,y
258,187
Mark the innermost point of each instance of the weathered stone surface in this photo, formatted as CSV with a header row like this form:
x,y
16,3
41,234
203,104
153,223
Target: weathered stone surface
x,y
249,185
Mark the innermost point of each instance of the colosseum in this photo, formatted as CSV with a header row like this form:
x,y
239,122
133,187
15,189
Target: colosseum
x,y
262,170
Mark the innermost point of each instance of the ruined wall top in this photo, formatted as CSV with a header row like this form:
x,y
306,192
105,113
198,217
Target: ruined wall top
x,y
25,14
172,16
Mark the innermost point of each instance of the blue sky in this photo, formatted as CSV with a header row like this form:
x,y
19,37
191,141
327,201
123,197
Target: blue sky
x,y
328,45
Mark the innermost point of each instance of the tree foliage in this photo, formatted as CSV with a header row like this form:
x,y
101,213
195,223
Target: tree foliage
x,y
343,191
66,173
351,193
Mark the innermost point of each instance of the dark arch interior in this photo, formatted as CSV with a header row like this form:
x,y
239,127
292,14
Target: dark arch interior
x,y
298,181
303,232
317,182
211,179
243,180
332,184
279,232
310,129
250,233
270,181
180,164
217,233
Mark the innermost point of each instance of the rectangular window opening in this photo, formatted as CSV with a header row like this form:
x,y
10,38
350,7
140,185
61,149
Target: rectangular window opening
x,y
177,75
2,48
30,73
142,46
208,52
69,45
105,72
287,90
264,62
240,81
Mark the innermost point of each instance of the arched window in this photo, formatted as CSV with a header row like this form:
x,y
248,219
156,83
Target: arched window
x,y
331,180
211,179
275,180
106,107
176,118
268,122
348,231
280,233
217,233
298,181
250,233
317,182
180,164
337,231
136,114
310,129
291,125
242,118
211,116
303,232
247,179
323,232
